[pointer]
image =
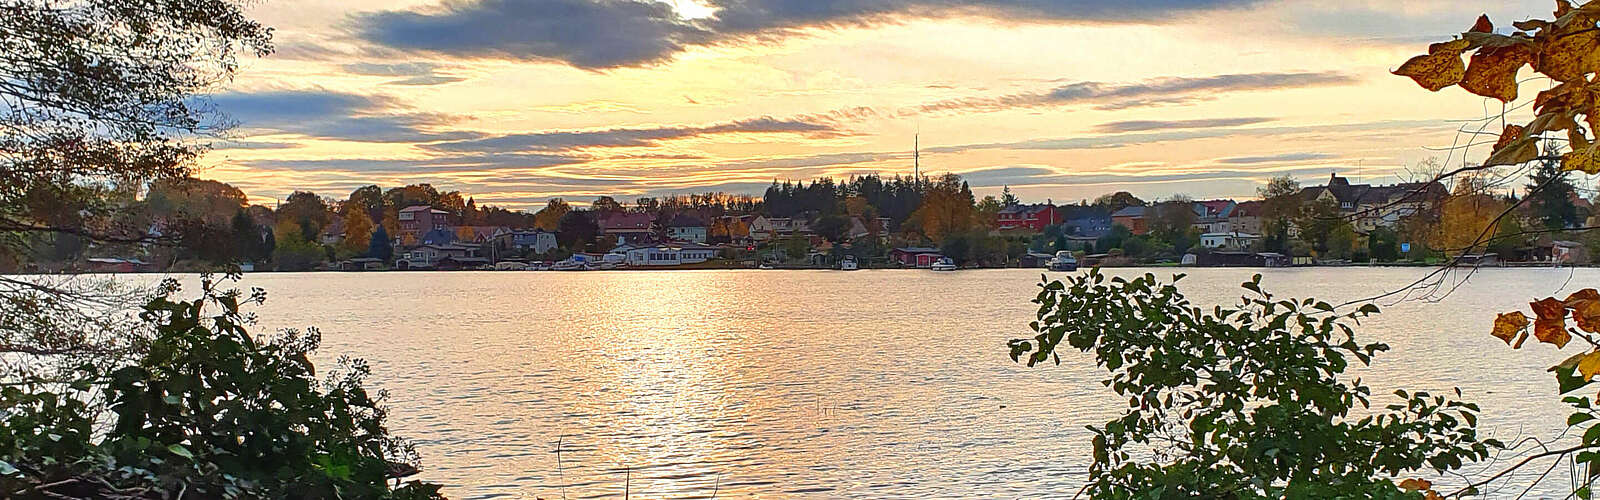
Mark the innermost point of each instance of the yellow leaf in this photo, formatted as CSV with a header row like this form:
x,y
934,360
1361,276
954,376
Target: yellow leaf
x,y
1507,325
1493,71
1585,305
1550,322
1583,159
1589,365
1515,151
1441,68
1566,57
1415,484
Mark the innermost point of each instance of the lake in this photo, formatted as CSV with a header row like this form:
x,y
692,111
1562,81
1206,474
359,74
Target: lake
x,y
827,384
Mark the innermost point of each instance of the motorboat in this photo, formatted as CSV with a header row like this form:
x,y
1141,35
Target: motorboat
x,y
849,263
1063,262
944,264
570,265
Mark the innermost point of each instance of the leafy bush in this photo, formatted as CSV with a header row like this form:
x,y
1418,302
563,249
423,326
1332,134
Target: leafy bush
x,y
208,411
1244,402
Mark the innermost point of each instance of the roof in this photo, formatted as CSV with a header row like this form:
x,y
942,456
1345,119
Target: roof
x,y
1217,208
685,220
1133,211
483,232
917,250
1026,209
627,222
1250,208
1345,192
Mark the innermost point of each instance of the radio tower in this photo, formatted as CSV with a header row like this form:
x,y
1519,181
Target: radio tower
x,y
916,156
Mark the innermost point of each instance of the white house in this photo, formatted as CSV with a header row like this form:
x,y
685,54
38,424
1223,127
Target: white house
x,y
1231,241
661,255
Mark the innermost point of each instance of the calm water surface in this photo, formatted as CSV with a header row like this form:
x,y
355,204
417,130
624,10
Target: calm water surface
x,y
777,384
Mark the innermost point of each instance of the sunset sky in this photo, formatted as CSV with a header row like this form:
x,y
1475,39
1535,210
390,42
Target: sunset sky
x,y
516,102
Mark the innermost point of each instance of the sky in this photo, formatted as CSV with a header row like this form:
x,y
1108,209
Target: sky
x,y
515,102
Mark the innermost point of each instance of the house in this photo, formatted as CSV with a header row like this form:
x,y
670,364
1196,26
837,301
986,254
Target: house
x,y
1211,216
538,241
1246,218
1090,221
361,264
915,256
478,234
1132,218
440,236
1229,241
427,256
686,227
1032,218
765,228
333,233
416,221
1369,207
660,255
629,227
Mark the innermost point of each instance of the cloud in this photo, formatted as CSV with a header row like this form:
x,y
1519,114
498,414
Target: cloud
x,y
335,115
631,137
1156,92
416,73
584,33
602,34
1280,158
1144,125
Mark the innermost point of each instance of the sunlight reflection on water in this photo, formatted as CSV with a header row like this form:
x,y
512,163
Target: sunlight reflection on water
x,y
813,383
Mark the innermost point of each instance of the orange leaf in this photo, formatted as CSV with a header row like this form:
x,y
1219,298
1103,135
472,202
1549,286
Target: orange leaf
x,y
1415,484
1493,71
1509,135
1550,323
1483,25
1568,56
1507,325
1441,68
1585,305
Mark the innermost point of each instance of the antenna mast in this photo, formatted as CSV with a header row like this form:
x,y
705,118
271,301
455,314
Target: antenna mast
x,y
916,156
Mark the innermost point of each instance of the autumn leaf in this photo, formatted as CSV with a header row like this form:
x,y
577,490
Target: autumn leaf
x,y
1585,306
1415,484
1566,57
1551,121
1550,324
1441,68
1493,71
1509,135
1589,365
1507,325
1582,159
1516,151
1483,25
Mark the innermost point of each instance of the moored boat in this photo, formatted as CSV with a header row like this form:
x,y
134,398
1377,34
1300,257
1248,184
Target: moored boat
x,y
1063,262
944,264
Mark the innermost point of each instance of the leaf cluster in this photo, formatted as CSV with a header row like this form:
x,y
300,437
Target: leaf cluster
x,y
209,411
1241,402
1566,49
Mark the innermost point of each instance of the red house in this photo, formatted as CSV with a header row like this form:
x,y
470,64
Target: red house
x,y
1028,217
915,256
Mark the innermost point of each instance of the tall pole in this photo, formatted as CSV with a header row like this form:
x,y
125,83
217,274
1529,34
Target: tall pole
x,y
916,156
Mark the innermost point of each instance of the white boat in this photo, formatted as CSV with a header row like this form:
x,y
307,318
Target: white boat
x,y
1064,261
944,264
569,265
849,263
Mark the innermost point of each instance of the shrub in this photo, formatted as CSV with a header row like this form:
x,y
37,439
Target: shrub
x,y
1244,402
208,411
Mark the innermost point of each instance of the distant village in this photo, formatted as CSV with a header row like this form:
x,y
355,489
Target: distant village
x,y
869,221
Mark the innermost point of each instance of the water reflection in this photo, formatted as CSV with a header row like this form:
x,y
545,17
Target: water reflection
x,y
826,384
